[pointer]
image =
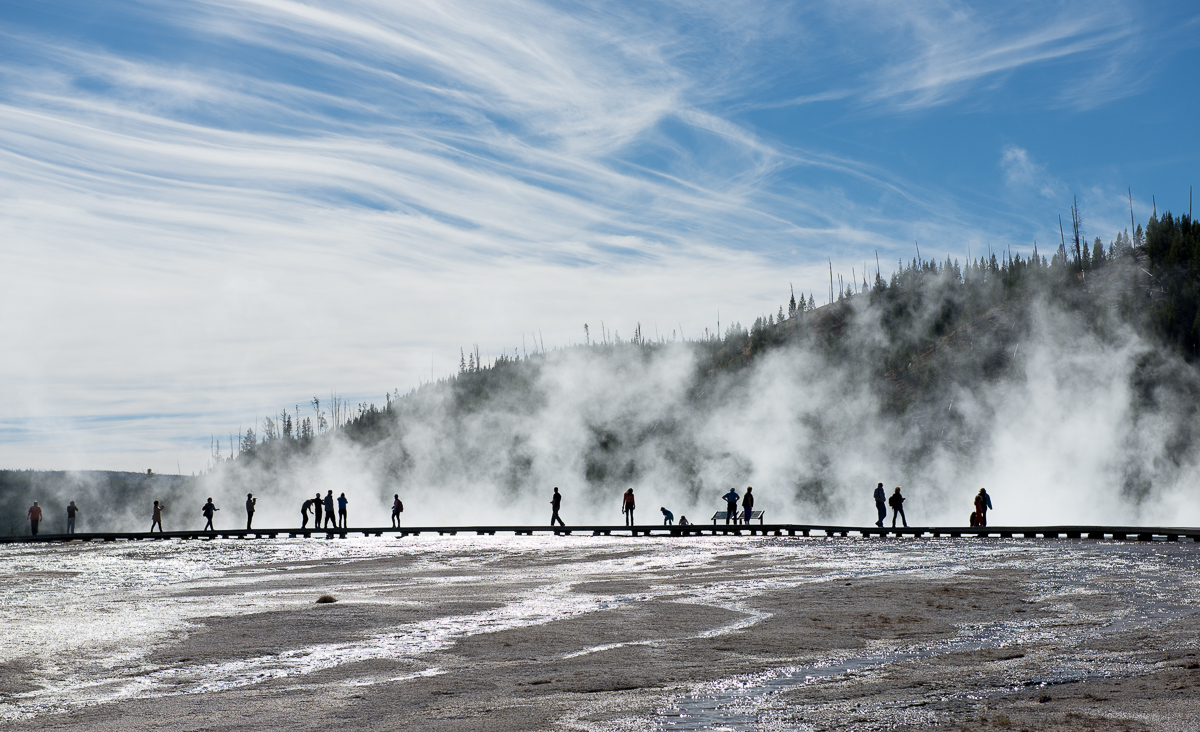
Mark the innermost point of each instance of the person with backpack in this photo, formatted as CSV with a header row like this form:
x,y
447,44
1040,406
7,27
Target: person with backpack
x,y
880,504
208,510
627,506
982,503
897,504
329,516
397,509
731,502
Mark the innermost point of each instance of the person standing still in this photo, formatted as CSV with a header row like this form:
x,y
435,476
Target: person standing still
x,y
329,511
208,510
880,504
397,509
156,517
71,511
555,504
897,504
35,517
342,510
731,501
982,503
627,506
747,505
250,501
317,511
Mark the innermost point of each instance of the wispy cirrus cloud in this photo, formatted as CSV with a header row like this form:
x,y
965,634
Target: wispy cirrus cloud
x,y
222,205
1021,173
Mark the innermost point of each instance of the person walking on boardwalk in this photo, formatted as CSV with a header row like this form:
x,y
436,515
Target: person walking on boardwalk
x,y
250,501
555,504
71,511
304,509
897,504
35,517
329,516
341,501
748,505
397,509
880,504
627,506
982,503
317,511
156,517
208,510
731,501
668,517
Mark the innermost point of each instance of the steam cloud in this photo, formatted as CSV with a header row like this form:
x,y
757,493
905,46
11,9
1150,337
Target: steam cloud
x,y
1064,416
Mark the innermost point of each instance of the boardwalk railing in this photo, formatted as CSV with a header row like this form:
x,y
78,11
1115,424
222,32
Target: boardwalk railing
x,y
1133,533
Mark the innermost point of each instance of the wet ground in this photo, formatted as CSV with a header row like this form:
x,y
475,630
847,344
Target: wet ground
x,y
611,633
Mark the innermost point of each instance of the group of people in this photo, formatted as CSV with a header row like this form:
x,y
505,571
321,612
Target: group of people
x,y
731,506
324,505
317,504
629,503
983,502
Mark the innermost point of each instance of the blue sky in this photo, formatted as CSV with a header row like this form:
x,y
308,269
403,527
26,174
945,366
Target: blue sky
x,y
210,211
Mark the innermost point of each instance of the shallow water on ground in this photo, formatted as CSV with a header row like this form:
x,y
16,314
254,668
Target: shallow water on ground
x,y
80,622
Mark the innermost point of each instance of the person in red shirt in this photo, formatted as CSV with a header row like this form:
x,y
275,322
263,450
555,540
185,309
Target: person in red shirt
x,y
627,506
35,516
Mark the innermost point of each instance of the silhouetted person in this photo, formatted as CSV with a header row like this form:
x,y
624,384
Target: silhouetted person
x,y
329,517
555,504
684,522
880,504
897,504
156,517
627,506
668,517
731,501
35,517
982,503
747,505
304,509
397,509
250,501
341,501
208,510
71,511
317,511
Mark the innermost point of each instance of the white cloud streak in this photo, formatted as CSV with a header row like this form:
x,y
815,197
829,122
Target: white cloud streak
x,y
338,195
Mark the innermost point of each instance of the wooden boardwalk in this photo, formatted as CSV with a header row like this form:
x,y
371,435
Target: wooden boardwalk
x,y
1122,533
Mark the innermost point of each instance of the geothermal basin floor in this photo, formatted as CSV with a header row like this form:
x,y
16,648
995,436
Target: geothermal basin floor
x,y
601,633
